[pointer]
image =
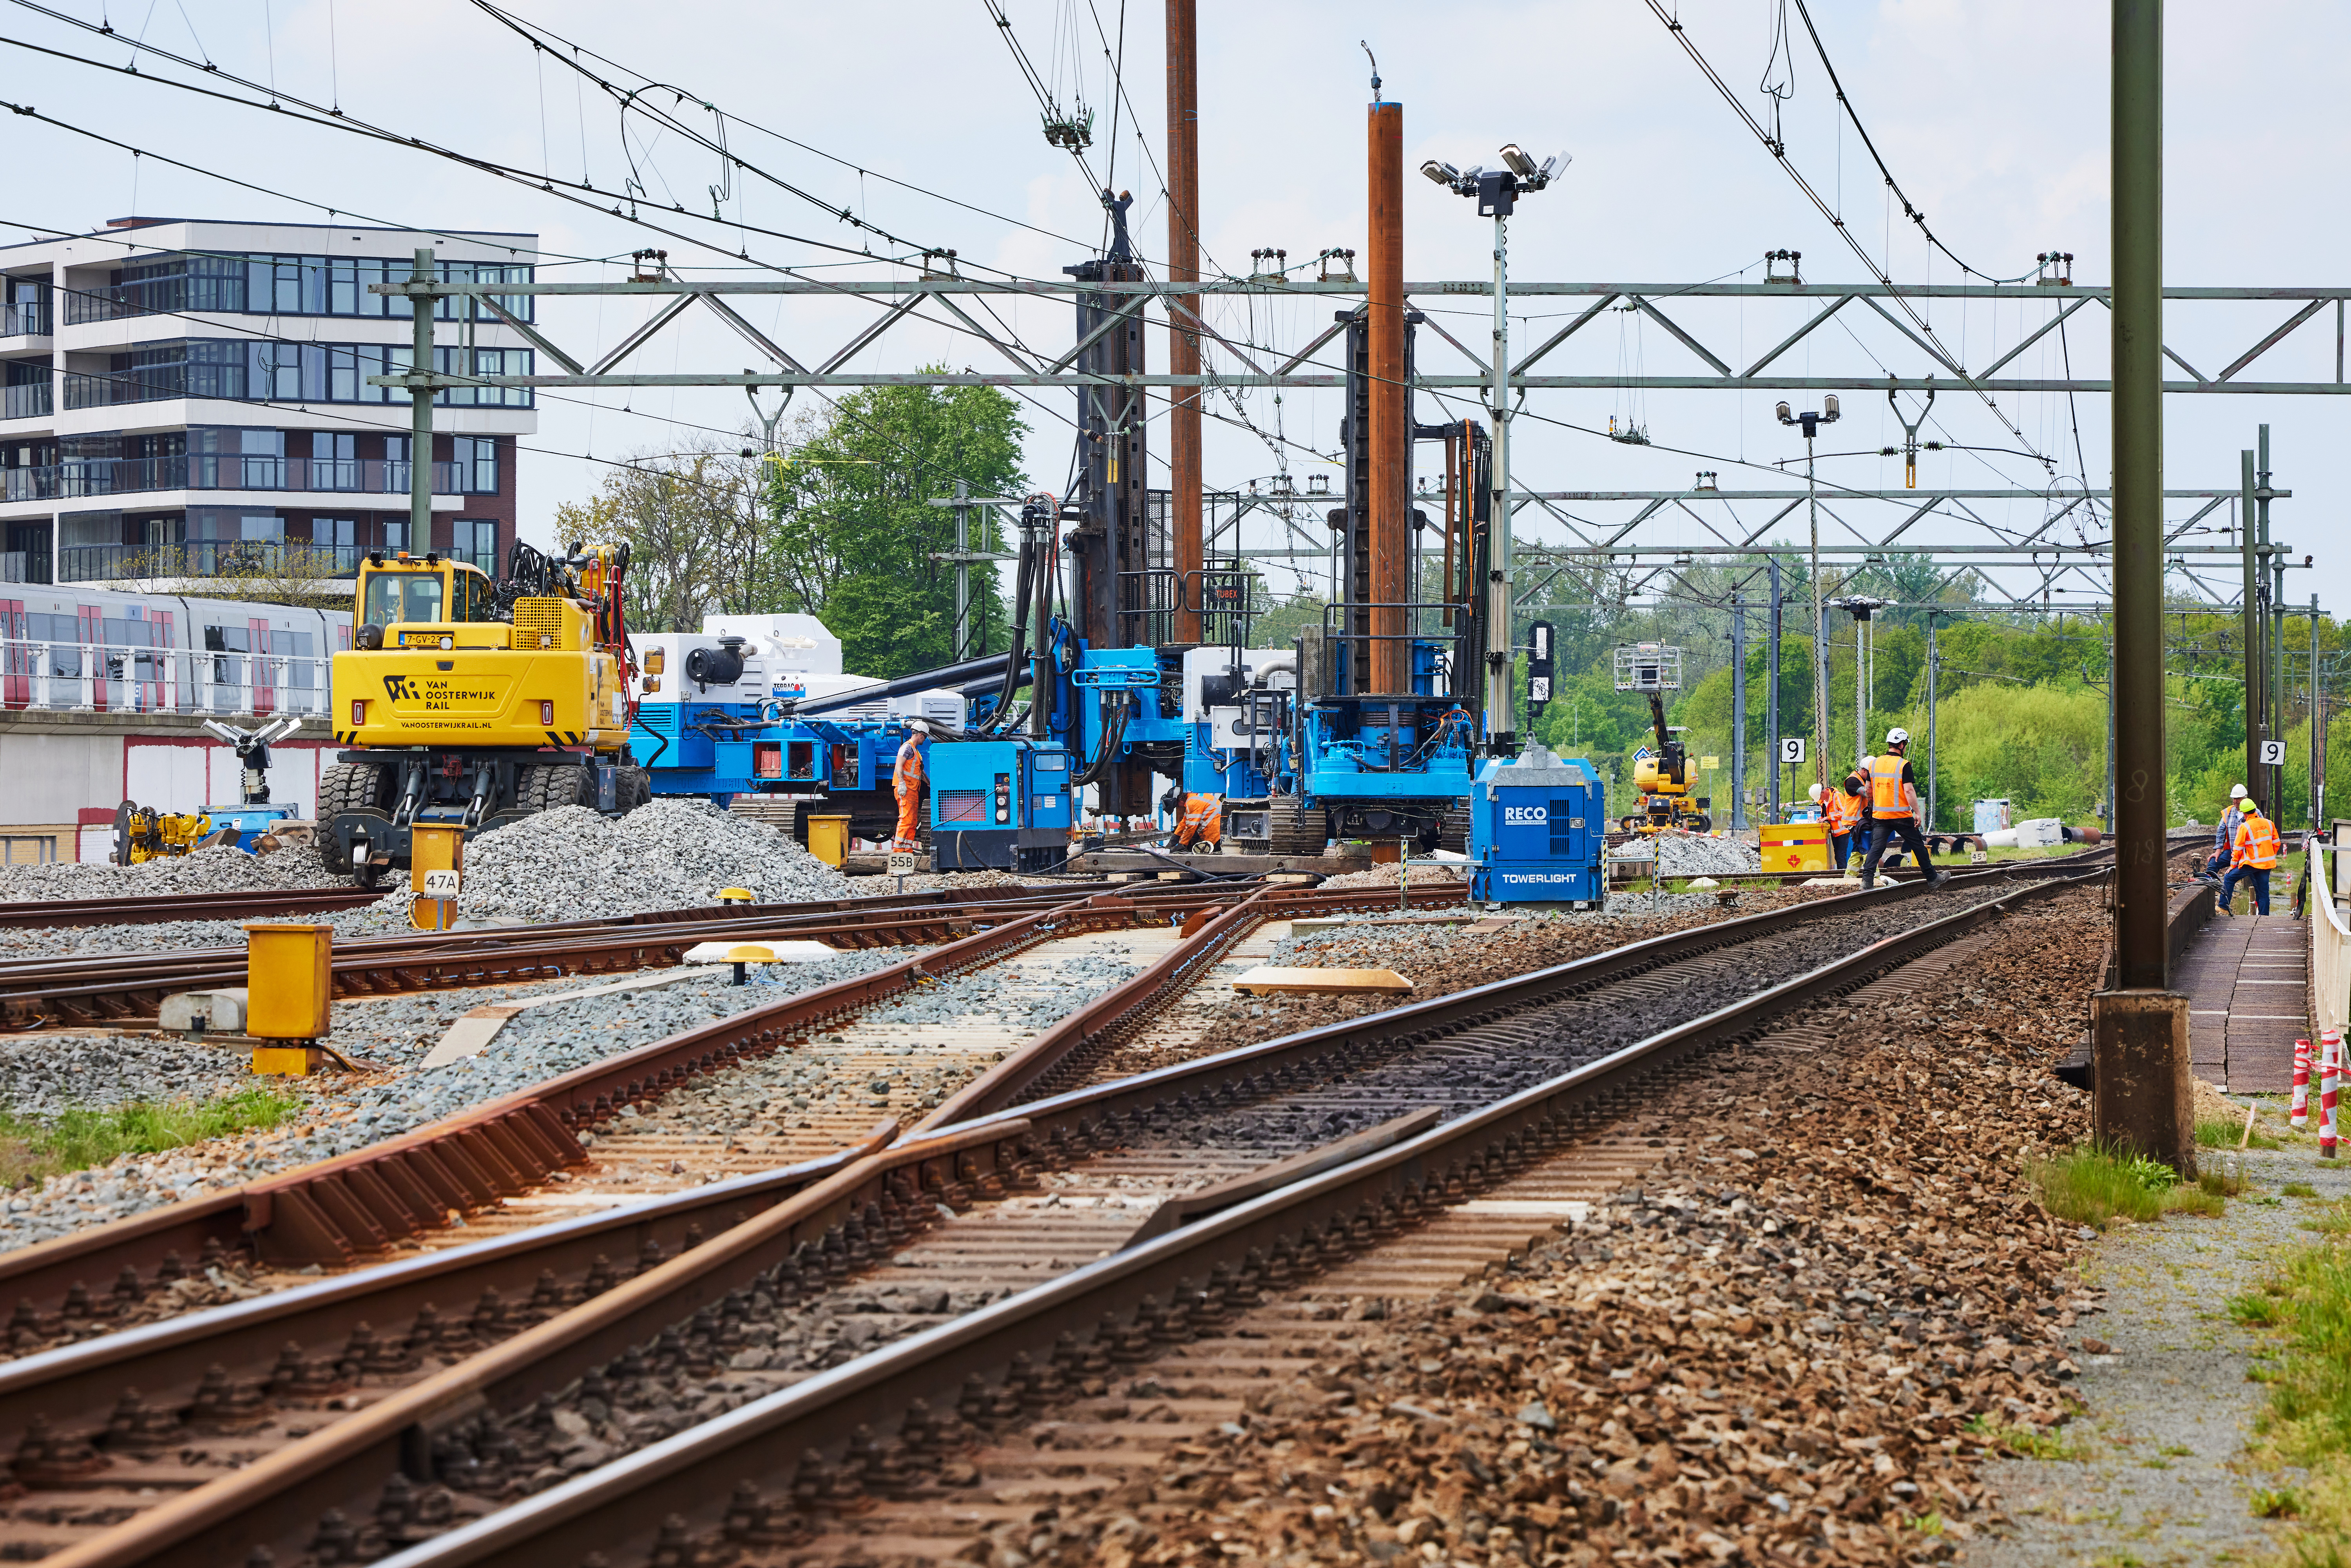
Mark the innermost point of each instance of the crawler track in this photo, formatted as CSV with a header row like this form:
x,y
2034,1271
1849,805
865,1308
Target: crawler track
x,y
752,1316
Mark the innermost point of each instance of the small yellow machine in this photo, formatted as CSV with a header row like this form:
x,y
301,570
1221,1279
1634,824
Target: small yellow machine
x,y
471,703
1663,777
142,833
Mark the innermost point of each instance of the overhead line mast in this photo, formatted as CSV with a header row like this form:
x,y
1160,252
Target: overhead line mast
x,y
1183,332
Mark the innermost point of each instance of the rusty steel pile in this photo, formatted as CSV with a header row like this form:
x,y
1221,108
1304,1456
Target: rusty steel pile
x,y
1031,1214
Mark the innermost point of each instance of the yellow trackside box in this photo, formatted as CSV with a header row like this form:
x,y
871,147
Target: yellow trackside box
x,y
1795,846
829,840
289,981
436,858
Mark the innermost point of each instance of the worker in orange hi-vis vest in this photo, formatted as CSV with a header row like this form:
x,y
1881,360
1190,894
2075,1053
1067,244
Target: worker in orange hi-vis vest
x,y
2252,859
1202,823
909,777
1893,808
1846,806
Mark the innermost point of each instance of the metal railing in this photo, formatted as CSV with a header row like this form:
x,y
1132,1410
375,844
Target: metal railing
x,y
28,400
95,677
219,471
25,319
207,558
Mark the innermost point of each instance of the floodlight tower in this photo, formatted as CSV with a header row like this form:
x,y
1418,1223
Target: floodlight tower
x,y
1829,414
1497,192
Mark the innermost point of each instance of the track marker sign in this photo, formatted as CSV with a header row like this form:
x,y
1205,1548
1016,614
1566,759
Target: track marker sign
x,y
1792,748
2273,753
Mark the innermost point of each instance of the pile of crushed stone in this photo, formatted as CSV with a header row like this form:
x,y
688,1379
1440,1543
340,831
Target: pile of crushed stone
x,y
573,864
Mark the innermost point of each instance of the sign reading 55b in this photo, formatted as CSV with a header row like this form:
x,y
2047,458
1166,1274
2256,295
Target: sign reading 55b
x,y
1525,815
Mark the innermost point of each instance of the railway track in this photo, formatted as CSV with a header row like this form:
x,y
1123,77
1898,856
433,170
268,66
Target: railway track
x,y
88,990
338,1210
755,1341
250,905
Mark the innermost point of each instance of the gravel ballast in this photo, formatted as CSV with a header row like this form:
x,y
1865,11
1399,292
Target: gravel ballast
x,y
1791,1342
215,870
396,1034
573,864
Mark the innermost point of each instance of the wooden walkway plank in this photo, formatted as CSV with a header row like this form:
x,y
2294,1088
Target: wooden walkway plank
x,y
2247,981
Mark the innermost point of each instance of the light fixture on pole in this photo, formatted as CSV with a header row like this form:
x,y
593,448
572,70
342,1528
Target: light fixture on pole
x,y
1497,192
1829,414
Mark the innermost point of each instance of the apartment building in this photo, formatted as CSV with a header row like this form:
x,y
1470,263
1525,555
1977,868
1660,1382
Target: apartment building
x,y
183,398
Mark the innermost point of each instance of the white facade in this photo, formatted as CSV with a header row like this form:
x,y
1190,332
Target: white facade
x,y
168,384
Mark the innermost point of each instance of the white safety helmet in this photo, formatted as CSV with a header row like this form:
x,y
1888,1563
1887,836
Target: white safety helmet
x,y
1816,794
1898,736
2237,793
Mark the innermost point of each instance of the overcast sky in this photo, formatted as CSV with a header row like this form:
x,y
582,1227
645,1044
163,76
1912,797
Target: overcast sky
x,y
1992,113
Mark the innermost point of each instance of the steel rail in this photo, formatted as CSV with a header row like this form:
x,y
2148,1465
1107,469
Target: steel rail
x,y
148,911
337,1209
245,1339
116,989
145,910
284,1495
692,1484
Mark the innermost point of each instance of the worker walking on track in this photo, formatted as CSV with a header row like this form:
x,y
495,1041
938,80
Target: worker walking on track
x,y
909,777
2251,858
1893,808
1846,805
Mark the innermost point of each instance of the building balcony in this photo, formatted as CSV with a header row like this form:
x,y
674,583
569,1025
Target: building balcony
x,y
187,565
28,400
204,471
27,319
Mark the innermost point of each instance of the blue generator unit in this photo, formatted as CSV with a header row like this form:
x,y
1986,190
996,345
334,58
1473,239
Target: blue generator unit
x,y
1537,826
1001,805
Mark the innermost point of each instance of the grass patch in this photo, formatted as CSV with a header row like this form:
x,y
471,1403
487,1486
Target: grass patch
x,y
2299,1190
2220,1133
2026,1442
2257,1310
2275,1503
2307,1306
2090,1185
32,1150
2198,1199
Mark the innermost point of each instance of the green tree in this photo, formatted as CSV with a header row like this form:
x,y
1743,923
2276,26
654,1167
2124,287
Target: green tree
x,y
699,535
857,531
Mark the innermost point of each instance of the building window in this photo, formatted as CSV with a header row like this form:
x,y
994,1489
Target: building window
x,y
476,539
284,286
477,463
282,373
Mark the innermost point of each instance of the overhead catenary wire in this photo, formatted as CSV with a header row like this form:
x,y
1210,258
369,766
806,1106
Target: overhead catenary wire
x,y
1780,154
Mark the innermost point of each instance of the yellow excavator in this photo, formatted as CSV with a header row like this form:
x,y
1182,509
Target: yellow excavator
x,y
1662,778
473,703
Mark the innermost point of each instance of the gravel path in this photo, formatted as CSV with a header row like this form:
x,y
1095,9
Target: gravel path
x,y
2159,1474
